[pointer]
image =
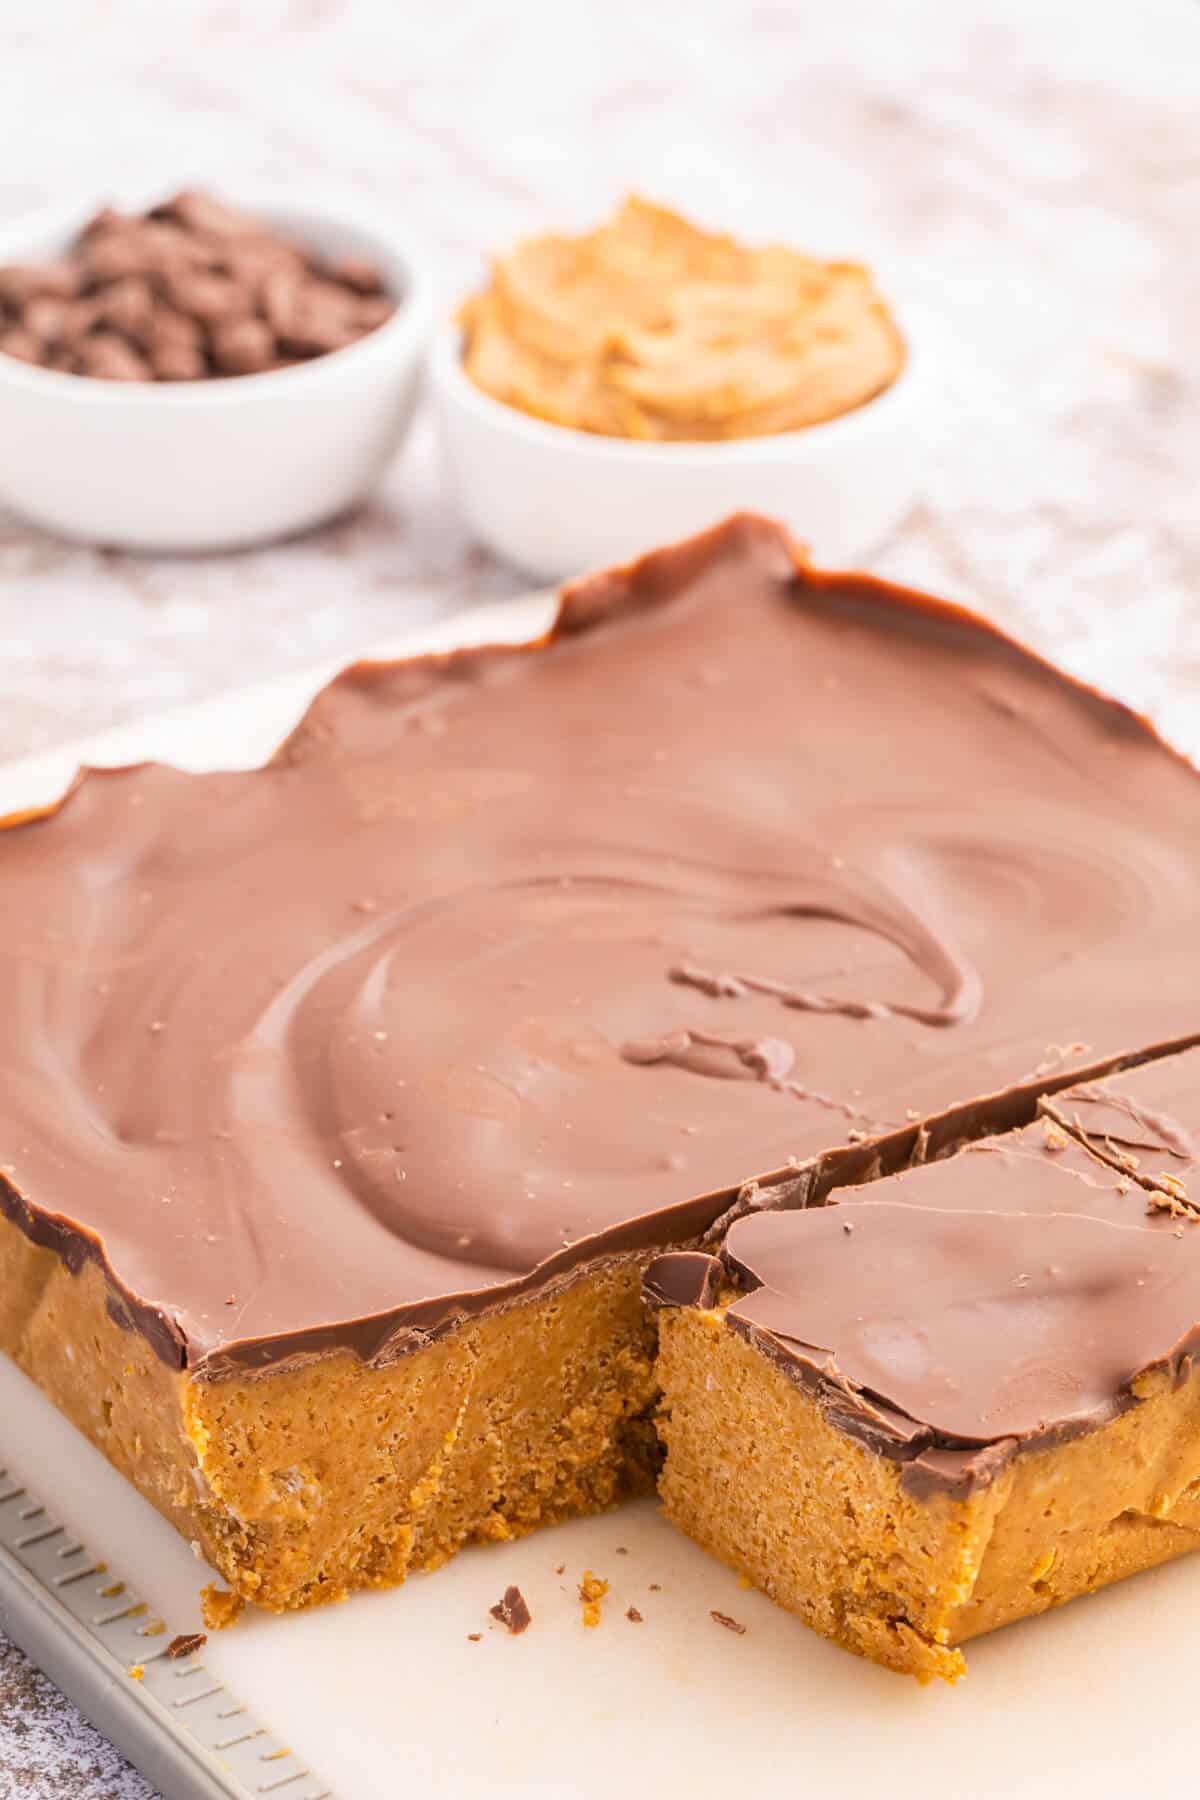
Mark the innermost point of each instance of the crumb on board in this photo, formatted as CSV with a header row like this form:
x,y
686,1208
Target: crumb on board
x,y
474,1637
560,1568
655,1587
137,1672
186,1643
512,1611
592,1590
621,1550
218,1606
729,1624
744,1581
633,1615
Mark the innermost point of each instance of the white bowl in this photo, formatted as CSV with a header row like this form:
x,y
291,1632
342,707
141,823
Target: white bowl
x,y
213,465
556,501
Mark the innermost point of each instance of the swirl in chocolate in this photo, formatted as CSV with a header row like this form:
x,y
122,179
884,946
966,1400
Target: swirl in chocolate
x,y
416,1018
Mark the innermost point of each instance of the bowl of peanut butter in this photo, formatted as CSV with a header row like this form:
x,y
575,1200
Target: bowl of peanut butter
x,y
607,389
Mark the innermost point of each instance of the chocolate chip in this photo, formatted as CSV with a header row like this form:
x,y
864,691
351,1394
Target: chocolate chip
x,y
22,344
213,299
246,347
20,285
371,313
321,319
127,306
177,362
357,273
280,298
111,256
48,318
170,327
205,213
729,1624
186,1643
109,358
253,261
107,219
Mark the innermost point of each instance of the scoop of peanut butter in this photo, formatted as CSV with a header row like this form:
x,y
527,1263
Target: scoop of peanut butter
x,y
650,328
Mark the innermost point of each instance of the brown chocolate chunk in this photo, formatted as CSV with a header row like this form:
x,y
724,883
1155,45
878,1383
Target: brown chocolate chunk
x,y
186,1644
512,1611
729,1624
633,1615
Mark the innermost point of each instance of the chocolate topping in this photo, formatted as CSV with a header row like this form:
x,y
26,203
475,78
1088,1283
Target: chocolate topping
x,y
1133,1126
1012,1295
683,1278
372,1038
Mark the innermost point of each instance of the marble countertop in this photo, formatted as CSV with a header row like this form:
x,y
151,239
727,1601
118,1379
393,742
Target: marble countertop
x,y
1025,176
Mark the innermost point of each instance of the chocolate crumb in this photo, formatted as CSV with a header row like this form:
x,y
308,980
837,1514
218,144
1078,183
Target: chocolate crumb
x,y
621,1550
655,1588
633,1615
729,1624
512,1611
186,1643
474,1637
560,1568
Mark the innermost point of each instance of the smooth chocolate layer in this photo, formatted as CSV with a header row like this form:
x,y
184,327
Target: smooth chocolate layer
x,y
1012,1295
517,958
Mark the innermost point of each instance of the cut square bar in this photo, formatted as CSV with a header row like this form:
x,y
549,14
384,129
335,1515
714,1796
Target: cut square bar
x,y
960,1395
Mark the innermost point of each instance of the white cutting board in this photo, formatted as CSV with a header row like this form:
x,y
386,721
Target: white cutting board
x,y
386,1696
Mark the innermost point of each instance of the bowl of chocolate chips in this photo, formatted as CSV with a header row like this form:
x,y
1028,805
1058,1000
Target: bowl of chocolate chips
x,y
199,375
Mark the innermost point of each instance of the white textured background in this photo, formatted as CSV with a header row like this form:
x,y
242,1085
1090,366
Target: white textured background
x,y
1029,171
